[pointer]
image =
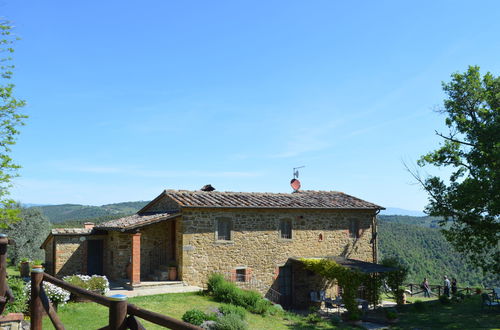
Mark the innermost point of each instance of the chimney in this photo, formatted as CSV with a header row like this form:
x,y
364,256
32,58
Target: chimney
x,y
207,187
88,225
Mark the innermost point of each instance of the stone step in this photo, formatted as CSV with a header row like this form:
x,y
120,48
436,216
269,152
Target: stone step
x,y
154,284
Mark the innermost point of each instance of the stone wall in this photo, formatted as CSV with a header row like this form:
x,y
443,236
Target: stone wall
x,y
156,247
70,256
117,254
49,256
256,242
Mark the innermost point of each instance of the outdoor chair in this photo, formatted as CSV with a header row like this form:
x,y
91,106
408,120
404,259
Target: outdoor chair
x,y
322,295
486,301
496,292
314,297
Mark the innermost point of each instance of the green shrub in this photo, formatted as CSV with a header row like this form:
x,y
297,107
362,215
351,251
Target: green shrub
x,y
20,304
232,309
194,316
419,306
230,322
227,292
214,281
250,299
262,307
312,318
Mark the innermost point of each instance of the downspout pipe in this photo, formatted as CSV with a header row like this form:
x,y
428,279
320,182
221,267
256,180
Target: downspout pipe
x,y
374,237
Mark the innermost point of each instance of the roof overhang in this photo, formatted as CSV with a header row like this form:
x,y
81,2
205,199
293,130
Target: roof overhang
x,y
141,224
362,266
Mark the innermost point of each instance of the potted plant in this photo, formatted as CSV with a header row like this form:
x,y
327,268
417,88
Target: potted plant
x,y
172,271
37,264
24,267
391,315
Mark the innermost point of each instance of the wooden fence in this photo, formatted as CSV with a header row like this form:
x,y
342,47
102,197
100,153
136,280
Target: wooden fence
x,y
438,290
122,315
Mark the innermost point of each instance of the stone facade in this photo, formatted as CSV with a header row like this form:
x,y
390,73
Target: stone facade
x,y
256,241
118,253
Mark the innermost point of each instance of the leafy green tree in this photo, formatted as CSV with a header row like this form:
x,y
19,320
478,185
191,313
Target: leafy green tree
x,y
28,233
10,120
469,201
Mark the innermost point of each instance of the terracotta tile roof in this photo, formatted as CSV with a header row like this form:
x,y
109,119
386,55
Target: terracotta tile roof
x,y
304,199
134,221
71,231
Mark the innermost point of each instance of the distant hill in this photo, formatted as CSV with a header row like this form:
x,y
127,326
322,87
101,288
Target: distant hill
x,y
425,250
74,212
398,211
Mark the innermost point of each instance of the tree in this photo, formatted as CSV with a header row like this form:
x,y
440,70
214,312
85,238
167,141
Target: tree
x,y
10,120
469,201
28,233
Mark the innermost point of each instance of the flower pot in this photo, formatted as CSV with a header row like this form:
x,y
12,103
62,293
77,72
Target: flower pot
x,y
172,273
37,268
25,269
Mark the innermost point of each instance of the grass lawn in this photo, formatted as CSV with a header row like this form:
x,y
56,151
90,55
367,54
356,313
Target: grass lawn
x,y
94,316
464,315
467,314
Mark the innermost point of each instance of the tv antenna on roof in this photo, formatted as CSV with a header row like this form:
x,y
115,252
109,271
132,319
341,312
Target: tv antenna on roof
x,y
295,183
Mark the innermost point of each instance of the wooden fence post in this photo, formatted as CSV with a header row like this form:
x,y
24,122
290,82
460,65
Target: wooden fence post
x,y
36,307
118,312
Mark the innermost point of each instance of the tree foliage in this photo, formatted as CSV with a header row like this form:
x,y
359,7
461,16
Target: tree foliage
x,y
28,233
10,120
469,201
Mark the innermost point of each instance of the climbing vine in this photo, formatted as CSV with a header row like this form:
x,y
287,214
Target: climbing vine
x,y
350,280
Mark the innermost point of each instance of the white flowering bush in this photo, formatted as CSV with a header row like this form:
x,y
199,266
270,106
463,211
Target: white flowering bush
x,y
96,283
57,295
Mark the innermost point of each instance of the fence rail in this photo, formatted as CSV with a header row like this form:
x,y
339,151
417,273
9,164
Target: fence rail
x,y
440,289
122,315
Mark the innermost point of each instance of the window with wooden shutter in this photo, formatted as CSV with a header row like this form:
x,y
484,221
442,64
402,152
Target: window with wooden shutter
x,y
286,228
354,230
224,229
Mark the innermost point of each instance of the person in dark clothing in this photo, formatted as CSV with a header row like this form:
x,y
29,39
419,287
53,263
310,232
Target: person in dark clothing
x,y
426,288
454,286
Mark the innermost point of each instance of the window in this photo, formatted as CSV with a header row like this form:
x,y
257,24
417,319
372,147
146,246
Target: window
x,y
286,228
354,231
223,230
241,275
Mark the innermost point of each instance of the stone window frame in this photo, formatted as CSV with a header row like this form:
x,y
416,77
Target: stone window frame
x,y
241,274
286,236
230,229
354,229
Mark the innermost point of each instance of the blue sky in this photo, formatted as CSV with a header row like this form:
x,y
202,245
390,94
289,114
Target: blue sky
x,y
127,98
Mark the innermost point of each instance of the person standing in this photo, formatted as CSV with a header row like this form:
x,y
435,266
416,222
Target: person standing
x,y
447,286
454,286
426,288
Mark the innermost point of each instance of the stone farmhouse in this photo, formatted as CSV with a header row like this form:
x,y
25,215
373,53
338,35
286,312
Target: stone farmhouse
x,y
255,239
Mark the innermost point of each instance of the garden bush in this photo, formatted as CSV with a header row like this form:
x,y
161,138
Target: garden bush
x,y
232,309
214,281
227,292
94,283
195,316
312,318
57,295
20,304
263,307
230,322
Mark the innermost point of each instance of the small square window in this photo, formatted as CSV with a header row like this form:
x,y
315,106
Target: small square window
x,y
224,229
286,228
241,275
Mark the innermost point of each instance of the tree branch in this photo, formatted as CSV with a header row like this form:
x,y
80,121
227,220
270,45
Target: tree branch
x,y
454,140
